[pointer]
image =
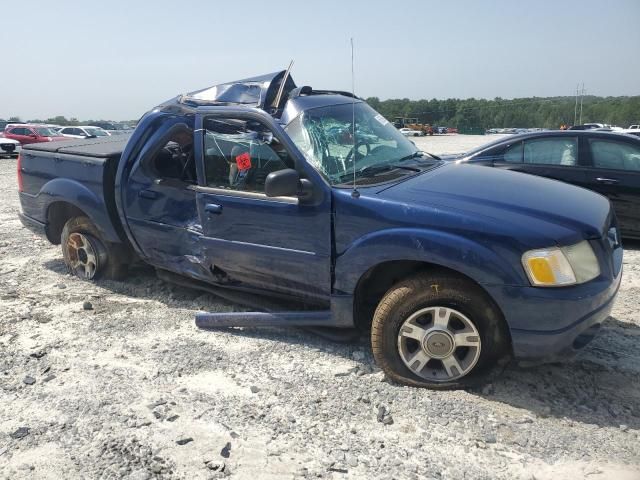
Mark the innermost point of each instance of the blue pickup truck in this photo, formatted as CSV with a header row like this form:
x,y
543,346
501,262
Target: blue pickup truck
x,y
310,198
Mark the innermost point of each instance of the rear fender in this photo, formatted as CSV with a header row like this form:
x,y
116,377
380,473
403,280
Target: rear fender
x,y
81,197
454,252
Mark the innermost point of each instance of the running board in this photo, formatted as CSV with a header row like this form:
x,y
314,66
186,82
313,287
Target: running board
x,y
321,318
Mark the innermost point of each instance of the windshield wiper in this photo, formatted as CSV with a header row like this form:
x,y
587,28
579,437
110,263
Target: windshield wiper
x,y
375,169
419,154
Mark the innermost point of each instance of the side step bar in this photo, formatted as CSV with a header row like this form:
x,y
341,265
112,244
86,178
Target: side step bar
x,y
264,319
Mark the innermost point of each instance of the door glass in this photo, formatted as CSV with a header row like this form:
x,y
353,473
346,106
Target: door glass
x,y
239,154
561,151
175,161
614,155
513,154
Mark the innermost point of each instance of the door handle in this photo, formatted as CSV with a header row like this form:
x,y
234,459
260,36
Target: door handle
x,y
150,194
607,181
213,208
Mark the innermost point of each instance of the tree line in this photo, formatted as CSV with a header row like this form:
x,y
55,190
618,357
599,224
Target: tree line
x,y
473,113
549,112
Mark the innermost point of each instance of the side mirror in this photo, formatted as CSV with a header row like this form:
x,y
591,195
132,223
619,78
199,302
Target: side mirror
x,y
286,183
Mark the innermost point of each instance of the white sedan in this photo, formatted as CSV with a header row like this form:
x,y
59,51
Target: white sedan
x,y
407,132
83,132
8,146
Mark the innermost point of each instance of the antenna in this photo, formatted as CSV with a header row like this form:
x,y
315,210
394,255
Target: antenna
x,y
354,192
281,89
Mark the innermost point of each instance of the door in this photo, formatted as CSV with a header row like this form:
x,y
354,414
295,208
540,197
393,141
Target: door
x,y
159,201
279,244
615,172
556,157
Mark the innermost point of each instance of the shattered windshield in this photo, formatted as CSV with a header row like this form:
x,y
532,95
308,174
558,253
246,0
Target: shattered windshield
x,y
325,136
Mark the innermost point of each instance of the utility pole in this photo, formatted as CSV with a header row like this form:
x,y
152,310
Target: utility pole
x,y
575,110
581,98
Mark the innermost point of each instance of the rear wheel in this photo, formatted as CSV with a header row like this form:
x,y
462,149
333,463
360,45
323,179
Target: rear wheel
x,y
88,256
437,331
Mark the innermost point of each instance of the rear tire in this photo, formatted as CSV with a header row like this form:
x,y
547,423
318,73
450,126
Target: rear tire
x,y
438,331
87,255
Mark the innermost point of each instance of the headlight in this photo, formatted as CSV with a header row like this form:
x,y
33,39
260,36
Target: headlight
x,y
556,267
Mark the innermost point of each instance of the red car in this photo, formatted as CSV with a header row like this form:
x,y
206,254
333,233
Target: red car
x,y
26,134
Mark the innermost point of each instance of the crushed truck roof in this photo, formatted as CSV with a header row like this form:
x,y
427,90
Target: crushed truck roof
x,y
265,92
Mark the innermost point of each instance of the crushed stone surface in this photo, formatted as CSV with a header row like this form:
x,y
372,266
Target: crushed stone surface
x,y
132,389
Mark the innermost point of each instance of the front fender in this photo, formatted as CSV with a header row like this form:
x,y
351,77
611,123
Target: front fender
x,y
461,254
80,196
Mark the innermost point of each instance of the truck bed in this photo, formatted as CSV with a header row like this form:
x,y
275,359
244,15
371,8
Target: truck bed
x,y
80,172
101,147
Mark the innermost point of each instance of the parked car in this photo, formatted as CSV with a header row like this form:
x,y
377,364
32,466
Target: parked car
x,y
608,163
591,126
8,146
408,132
239,190
27,134
83,132
114,128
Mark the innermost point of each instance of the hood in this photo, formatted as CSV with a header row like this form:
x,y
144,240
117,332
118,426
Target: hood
x,y
8,140
534,209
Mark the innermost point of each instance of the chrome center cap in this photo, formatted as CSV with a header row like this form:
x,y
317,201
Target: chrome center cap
x,y
438,344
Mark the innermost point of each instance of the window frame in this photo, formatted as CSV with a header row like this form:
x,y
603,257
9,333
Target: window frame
x,y
320,187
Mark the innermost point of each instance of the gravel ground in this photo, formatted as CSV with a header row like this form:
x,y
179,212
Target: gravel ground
x,y
113,380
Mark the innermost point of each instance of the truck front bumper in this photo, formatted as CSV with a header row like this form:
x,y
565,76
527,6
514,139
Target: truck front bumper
x,y
577,313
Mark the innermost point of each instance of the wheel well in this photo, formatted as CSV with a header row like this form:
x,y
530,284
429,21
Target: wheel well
x,y
58,214
377,281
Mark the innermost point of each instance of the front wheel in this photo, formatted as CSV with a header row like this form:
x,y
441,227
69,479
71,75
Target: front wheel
x,y
437,331
89,257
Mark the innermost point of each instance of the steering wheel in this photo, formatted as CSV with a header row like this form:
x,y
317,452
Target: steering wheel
x,y
355,153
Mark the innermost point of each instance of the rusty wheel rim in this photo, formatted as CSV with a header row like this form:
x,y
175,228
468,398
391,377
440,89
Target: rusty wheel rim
x,y
83,258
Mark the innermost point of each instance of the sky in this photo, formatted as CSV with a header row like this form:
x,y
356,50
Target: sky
x,y
116,59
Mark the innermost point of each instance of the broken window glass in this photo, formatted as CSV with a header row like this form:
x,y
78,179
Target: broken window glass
x,y
239,154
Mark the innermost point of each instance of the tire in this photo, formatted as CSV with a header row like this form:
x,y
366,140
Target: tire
x,y
474,335
87,255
